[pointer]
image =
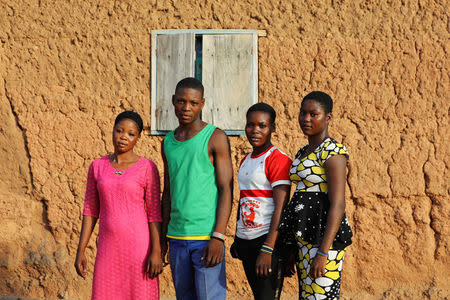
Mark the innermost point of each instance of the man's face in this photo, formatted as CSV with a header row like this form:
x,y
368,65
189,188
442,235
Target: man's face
x,y
188,104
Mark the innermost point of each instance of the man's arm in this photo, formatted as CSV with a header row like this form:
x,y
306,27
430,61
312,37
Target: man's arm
x,y
219,149
165,206
224,178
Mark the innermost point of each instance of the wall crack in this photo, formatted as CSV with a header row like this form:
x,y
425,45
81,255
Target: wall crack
x,y
436,233
24,136
31,188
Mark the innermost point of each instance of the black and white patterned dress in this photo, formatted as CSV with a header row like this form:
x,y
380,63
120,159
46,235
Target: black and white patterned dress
x,y
305,218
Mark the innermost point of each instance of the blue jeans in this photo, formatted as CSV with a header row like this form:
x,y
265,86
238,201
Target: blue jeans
x,y
192,280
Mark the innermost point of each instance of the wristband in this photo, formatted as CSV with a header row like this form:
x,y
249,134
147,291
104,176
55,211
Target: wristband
x,y
265,246
321,253
218,236
266,249
268,245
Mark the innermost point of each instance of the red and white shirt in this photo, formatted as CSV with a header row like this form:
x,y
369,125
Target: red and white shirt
x,y
257,177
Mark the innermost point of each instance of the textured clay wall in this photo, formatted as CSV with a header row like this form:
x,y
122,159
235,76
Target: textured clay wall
x,y
68,67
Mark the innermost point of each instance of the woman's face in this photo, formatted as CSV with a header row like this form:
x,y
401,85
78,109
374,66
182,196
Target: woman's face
x,y
312,118
125,136
258,129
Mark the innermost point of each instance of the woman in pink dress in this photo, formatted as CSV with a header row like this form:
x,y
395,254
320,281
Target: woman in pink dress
x,y
123,191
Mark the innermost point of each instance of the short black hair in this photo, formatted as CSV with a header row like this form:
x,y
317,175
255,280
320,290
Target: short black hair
x,y
131,115
190,83
323,98
264,107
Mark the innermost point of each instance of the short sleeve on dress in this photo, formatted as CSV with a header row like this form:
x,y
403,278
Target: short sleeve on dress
x,y
331,148
91,199
152,193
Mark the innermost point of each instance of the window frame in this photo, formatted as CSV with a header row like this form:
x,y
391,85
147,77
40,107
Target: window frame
x,y
154,72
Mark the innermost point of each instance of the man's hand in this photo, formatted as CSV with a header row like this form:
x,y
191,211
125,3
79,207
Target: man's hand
x,y
164,251
213,253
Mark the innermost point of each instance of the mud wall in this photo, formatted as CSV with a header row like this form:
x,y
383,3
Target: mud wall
x,y
68,67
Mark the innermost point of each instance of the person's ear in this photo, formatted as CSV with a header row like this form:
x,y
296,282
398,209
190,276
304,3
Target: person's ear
x,y
329,117
203,102
273,126
173,99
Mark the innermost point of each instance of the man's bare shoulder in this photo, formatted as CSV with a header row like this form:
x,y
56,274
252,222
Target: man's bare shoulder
x,y
219,137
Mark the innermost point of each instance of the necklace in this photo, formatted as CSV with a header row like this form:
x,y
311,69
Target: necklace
x,y
118,172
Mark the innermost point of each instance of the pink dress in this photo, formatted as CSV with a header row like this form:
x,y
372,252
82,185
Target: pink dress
x,y
125,205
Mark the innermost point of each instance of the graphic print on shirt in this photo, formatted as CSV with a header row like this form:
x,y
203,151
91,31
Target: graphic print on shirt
x,y
257,177
248,213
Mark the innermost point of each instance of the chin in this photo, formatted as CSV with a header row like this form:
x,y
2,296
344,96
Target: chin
x,y
186,122
306,132
121,150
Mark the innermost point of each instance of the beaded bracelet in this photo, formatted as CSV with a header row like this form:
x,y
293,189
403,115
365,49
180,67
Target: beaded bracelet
x,y
321,253
268,245
266,249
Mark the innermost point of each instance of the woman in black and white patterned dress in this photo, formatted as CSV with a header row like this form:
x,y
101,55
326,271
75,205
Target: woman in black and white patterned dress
x,y
315,216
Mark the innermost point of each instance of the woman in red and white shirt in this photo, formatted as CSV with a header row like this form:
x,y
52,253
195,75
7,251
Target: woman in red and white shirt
x,y
264,189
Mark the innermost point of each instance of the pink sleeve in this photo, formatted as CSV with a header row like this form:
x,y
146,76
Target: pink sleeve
x,y
277,168
91,200
152,194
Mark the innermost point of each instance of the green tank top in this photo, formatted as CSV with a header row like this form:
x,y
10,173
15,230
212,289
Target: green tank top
x,y
193,189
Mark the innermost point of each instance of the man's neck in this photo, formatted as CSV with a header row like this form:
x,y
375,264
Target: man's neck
x,y
185,132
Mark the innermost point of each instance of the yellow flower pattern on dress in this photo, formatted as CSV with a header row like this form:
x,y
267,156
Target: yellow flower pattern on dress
x,y
327,286
308,172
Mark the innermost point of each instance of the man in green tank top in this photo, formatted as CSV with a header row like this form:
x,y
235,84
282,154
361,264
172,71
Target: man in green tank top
x,y
196,201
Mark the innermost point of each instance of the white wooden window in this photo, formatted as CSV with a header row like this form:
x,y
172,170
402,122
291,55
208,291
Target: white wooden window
x,y
226,61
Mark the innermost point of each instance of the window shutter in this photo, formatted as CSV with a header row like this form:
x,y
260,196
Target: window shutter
x,y
229,75
173,60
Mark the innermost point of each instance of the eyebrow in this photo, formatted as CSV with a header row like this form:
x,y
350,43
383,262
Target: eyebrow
x,y
258,121
301,109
